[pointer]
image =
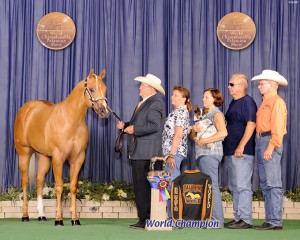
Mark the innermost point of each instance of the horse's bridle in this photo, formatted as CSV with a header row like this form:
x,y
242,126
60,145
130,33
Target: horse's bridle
x,y
87,91
94,100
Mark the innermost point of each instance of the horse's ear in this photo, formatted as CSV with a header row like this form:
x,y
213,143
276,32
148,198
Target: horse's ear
x,y
91,74
103,73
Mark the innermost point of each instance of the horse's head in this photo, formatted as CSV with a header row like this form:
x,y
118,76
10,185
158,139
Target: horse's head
x,y
95,91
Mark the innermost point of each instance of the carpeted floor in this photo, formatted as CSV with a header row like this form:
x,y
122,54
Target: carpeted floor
x,y
117,229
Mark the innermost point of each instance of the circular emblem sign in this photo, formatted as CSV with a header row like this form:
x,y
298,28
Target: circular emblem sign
x,y
236,30
56,30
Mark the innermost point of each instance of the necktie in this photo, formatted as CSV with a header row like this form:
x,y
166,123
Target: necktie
x,y
137,107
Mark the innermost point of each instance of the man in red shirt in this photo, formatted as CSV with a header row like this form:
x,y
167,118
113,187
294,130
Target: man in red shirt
x,y
270,128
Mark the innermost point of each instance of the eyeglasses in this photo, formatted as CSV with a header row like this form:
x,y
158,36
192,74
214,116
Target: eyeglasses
x,y
233,84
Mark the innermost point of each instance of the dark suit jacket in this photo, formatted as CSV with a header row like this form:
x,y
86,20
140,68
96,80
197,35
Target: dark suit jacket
x,y
148,121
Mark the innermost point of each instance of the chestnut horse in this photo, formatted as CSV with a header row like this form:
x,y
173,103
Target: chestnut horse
x,y
58,131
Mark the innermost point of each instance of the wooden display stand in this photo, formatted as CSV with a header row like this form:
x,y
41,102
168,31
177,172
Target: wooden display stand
x,y
158,209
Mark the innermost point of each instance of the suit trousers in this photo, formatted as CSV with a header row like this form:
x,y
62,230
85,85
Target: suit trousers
x,y
142,189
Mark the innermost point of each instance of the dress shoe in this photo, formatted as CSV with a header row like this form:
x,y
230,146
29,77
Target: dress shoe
x,y
240,225
139,225
229,223
263,225
268,226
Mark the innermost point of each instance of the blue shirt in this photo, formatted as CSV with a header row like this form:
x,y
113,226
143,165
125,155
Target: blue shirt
x,y
239,113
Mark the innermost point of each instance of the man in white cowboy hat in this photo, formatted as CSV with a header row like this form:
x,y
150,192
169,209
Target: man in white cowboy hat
x,y
144,141
271,120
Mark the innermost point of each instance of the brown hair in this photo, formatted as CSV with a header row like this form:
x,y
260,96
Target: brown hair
x,y
185,94
217,95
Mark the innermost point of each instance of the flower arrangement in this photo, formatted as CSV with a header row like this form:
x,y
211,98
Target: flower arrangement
x,y
115,191
226,195
294,195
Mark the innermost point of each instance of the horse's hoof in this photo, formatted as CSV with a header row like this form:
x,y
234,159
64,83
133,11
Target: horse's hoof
x,y
75,222
25,219
43,218
59,223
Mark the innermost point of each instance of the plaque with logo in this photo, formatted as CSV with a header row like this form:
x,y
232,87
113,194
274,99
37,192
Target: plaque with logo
x,y
236,30
56,31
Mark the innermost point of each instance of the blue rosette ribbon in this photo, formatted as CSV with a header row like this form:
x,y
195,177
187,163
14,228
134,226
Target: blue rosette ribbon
x,y
161,184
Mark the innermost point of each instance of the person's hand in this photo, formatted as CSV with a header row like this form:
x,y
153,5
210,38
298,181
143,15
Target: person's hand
x,y
129,129
120,125
239,152
201,142
171,162
197,127
268,154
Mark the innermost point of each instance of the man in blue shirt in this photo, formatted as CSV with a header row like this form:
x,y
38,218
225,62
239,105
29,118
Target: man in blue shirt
x,y
239,150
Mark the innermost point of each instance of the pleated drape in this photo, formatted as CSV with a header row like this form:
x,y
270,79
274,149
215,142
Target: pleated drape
x,y
173,39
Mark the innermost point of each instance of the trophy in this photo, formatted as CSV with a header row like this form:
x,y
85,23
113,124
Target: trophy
x,y
159,181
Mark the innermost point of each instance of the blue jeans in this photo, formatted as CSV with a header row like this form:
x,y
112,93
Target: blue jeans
x,y
239,173
270,181
174,174
209,164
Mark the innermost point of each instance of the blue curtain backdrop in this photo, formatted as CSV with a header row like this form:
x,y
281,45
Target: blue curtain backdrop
x,y
174,39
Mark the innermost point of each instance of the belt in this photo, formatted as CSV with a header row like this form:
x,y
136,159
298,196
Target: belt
x,y
263,134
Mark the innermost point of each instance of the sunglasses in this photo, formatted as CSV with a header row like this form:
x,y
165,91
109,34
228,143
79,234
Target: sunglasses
x,y
233,84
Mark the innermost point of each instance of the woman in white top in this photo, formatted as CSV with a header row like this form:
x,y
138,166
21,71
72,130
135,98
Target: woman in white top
x,y
175,133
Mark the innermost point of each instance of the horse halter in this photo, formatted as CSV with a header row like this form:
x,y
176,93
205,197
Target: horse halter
x,y
93,100
87,91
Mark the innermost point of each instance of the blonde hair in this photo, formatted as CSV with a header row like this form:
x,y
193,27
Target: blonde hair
x,y
242,77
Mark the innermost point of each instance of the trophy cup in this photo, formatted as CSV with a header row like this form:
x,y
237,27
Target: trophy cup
x,y
159,195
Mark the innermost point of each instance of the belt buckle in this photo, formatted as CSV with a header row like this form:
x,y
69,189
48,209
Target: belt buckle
x,y
258,135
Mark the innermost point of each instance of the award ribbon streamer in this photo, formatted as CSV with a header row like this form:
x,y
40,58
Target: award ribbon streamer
x,y
161,184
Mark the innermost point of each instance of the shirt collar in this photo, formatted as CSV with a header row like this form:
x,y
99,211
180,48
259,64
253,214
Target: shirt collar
x,y
270,95
182,106
148,97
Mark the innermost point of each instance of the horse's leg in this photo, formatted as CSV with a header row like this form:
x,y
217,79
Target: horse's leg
x,y
57,163
75,166
24,160
43,168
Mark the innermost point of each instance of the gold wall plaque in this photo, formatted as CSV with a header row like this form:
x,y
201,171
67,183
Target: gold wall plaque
x,y
236,30
56,30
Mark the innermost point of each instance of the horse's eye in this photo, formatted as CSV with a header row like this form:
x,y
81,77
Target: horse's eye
x,y
92,90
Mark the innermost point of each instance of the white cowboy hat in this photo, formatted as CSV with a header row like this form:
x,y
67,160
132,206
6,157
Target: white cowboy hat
x,y
153,81
271,75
